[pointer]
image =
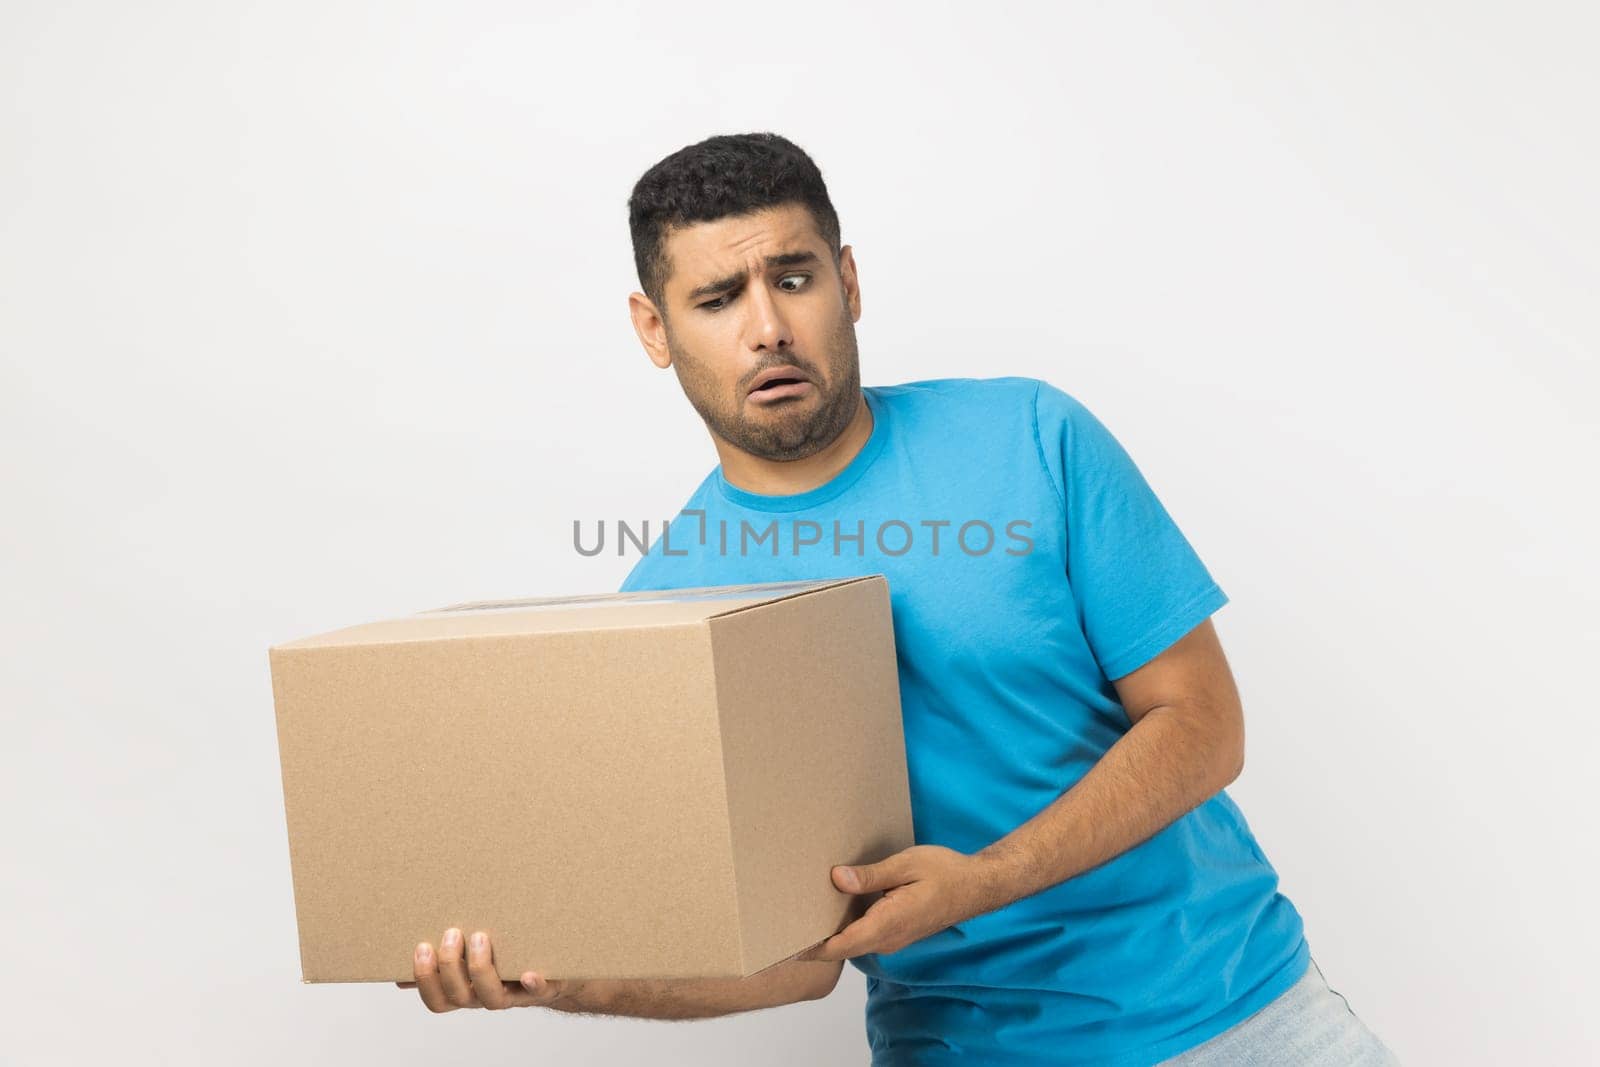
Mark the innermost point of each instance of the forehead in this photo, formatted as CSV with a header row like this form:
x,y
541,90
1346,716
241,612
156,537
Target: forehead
x,y
707,251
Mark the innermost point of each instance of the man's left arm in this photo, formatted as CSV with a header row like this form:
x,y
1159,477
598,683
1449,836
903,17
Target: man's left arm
x,y
1185,744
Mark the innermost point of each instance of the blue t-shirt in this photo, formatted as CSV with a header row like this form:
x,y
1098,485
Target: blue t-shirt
x,y
1028,563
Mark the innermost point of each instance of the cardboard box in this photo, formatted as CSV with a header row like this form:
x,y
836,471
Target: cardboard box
x,y
628,785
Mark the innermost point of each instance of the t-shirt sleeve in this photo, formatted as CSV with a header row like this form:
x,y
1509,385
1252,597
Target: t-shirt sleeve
x,y
1137,582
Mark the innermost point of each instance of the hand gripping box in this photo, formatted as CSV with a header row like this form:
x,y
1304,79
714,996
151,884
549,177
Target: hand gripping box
x,y
629,785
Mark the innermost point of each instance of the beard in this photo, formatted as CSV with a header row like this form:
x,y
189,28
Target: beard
x,y
790,429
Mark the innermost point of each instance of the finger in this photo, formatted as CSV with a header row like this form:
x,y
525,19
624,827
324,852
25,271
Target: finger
x,y
857,907
867,934
540,990
453,971
821,953
425,967
492,992
870,877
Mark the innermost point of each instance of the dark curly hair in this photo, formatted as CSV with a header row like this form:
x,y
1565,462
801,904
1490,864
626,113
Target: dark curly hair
x,y
729,174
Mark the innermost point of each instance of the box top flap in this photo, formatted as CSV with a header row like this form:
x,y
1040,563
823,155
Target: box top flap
x,y
597,611
714,599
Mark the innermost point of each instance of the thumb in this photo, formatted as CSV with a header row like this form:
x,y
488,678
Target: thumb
x,y
863,878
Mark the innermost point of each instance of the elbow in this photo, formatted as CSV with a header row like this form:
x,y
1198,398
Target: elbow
x,y
824,980
1227,744
1236,737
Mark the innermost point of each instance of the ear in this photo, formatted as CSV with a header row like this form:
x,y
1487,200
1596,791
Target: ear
x,y
852,284
650,327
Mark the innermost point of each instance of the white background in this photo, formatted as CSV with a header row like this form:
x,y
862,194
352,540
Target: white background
x,y
312,313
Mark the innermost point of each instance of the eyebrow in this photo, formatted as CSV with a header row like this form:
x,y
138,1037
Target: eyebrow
x,y
733,281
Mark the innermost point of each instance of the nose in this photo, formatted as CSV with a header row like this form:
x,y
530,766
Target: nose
x,y
767,328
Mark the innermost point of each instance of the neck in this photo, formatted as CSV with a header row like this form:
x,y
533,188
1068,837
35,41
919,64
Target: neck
x,y
786,477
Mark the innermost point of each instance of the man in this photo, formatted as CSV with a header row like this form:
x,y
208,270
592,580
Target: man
x,y
1082,890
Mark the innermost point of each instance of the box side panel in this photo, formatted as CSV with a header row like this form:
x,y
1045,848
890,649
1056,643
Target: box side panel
x,y
562,792
809,693
282,670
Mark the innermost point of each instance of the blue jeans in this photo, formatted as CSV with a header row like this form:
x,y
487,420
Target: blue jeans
x,y
1310,1025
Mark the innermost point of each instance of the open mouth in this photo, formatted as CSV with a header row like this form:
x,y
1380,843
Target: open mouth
x,y
779,387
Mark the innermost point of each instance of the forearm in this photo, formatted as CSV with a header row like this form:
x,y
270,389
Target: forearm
x,y
701,998
1167,764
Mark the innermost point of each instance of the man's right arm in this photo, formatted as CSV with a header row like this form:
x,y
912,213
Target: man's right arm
x,y
447,982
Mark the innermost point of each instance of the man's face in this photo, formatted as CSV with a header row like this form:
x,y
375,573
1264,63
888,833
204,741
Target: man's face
x,y
760,326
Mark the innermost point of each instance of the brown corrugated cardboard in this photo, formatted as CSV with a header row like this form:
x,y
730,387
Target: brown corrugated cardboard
x,y
627,785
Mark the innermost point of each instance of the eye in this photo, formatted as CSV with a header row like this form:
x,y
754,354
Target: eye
x,y
720,302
